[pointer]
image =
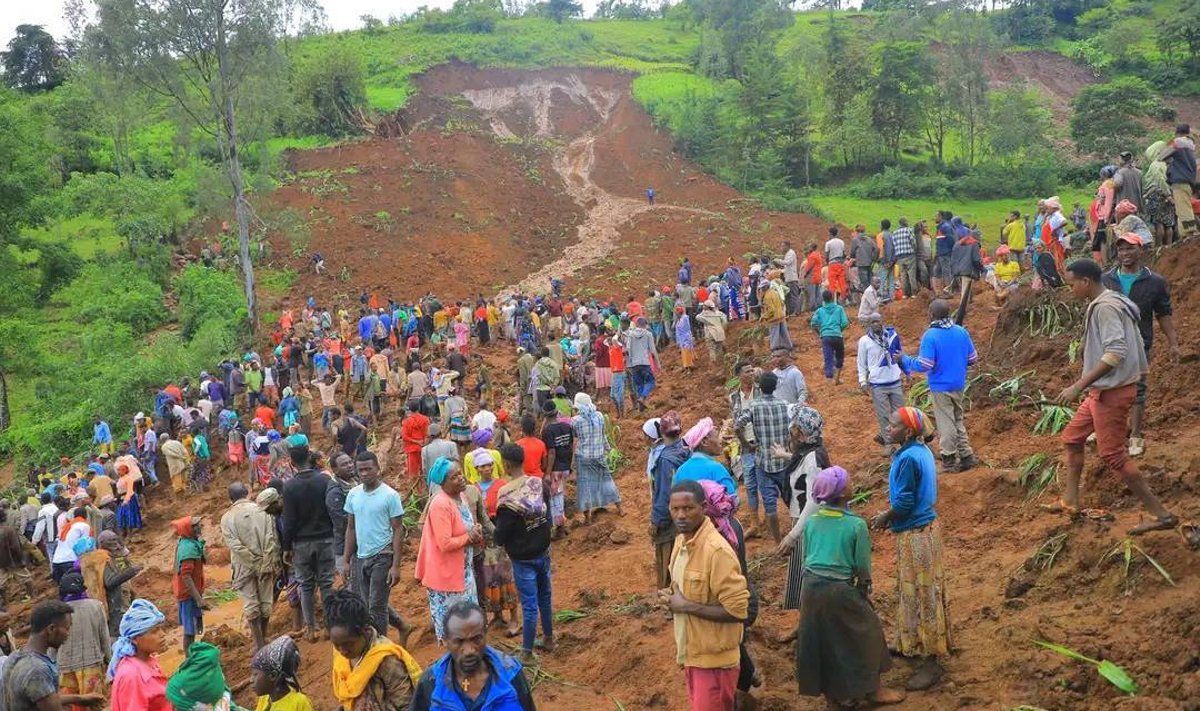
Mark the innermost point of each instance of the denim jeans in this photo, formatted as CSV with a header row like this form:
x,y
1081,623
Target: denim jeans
x,y
770,487
533,586
313,565
368,578
642,379
750,480
617,390
833,352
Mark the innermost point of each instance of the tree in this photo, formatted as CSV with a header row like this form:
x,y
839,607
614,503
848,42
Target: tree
x,y
902,80
844,70
1019,122
1104,118
34,61
559,10
1179,29
331,86
623,10
205,56
970,43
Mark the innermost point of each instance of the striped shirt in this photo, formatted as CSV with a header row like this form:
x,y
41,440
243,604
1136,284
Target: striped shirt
x,y
904,243
590,440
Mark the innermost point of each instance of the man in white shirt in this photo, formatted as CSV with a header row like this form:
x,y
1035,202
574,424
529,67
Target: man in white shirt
x,y
869,306
879,373
64,554
835,247
483,420
791,277
791,387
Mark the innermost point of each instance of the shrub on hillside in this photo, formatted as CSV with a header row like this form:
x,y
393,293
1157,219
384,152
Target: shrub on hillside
x,y
207,294
114,292
331,89
899,184
467,16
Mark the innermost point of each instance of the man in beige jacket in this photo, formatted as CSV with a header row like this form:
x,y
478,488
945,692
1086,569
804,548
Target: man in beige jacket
x,y
253,543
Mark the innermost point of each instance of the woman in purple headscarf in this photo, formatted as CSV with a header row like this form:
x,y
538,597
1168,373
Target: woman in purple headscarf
x,y
840,648
482,439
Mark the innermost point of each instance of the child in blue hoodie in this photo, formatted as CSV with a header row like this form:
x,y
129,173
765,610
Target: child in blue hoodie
x,y
829,322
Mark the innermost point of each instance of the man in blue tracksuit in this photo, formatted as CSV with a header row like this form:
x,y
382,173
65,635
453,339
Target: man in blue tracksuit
x,y
471,676
946,352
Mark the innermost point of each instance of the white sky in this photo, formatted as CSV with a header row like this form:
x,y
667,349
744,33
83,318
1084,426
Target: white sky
x,y
341,14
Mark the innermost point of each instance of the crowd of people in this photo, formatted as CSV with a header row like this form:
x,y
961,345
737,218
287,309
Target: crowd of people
x,y
493,477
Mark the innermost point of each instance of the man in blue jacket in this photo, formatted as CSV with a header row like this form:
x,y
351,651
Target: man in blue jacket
x,y
946,352
471,675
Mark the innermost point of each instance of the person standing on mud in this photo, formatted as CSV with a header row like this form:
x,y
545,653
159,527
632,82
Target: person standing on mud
x,y
945,354
307,532
774,315
253,543
791,278
650,194
879,374
923,610
1114,360
1149,291
710,600
642,353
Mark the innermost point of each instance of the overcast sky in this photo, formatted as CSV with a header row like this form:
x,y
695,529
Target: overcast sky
x,y
342,14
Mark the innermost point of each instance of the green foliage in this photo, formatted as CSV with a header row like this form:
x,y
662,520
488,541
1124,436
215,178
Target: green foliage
x,y
1037,473
116,291
24,156
34,61
207,295
902,82
1019,122
331,87
466,16
1114,674
1105,118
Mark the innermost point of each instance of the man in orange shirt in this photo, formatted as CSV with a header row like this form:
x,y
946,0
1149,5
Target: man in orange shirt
x,y
414,430
266,414
811,276
535,448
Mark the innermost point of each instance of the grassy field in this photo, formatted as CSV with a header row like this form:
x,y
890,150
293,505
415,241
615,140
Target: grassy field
x,y
88,236
988,214
392,55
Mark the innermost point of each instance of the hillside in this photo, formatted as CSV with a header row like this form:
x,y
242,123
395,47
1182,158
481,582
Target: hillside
x,y
601,152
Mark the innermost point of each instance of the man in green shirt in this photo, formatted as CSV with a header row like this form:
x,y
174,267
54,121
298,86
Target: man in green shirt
x,y
254,384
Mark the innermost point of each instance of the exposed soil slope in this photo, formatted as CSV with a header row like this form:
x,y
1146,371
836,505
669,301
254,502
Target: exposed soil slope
x,y
512,177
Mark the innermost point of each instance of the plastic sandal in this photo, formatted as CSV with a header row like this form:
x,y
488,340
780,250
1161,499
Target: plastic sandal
x,y
1157,524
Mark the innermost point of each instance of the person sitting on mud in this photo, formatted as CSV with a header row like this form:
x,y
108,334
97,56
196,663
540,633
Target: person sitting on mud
x,y
1004,274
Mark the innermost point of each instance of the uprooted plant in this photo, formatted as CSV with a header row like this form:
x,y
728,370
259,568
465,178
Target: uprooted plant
x,y
1114,674
1037,472
1128,551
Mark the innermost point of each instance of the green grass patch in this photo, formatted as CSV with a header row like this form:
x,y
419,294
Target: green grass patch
x,y
87,235
988,214
276,281
301,143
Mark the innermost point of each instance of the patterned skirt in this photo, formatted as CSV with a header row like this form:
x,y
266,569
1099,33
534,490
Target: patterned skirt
x,y
923,617
499,590
1158,208
460,430
440,602
595,486
261,468
201,473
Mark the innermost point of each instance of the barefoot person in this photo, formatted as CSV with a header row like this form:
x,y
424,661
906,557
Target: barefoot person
x,y
840,649
923,612
1114,359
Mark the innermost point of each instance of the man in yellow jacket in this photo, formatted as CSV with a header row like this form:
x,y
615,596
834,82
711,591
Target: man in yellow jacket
x,y
709,598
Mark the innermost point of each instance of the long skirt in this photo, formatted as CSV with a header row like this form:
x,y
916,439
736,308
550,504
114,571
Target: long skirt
x,y
923,617
558,497
201,474
440,602
792,586
603,378
499,589
595,486
840,649
460,430
129,515
261,470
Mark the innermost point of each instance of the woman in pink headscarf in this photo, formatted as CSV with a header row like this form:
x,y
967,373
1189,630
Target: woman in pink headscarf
x,y
705,443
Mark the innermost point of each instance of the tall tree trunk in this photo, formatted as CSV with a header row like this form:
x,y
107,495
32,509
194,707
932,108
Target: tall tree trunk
x,y
5,420
233,166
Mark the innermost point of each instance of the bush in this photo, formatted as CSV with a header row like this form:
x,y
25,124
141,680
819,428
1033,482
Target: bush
x,y
467,16
207,294
331,86
117,292
899,184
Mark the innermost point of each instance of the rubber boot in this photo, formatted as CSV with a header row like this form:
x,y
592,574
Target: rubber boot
x,y
773,527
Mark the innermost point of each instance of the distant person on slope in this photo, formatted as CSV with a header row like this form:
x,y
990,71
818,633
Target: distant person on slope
x,y
650,196
1114,359
829,322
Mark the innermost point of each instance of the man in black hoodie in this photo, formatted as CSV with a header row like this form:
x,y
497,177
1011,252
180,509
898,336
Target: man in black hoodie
x,y
523,529
307,531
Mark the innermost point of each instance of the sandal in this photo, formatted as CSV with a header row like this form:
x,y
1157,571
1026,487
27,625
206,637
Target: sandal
x,y
1157,524
1059,507
1098,515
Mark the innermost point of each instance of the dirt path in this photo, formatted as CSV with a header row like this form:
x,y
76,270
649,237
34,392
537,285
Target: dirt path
x,y
599,233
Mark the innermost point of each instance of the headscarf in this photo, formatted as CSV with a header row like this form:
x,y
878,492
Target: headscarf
x,y
1002,250
719,506
183,527
297,440
810,423
587,408
439,471
698,432
913,419
266,497
481,437
651,428
1054,203
829,484
482,458
280,659
288,392
71,587
1108,171
670,424
199,680
141,617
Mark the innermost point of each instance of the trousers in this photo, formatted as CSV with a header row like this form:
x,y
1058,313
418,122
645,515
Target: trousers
x,y
533,587
313,564
948,411
886,400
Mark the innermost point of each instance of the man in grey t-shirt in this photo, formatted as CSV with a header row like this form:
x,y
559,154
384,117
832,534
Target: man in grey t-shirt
x,y
29,681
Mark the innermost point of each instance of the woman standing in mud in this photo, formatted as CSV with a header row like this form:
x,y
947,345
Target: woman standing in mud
x,y
923,617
